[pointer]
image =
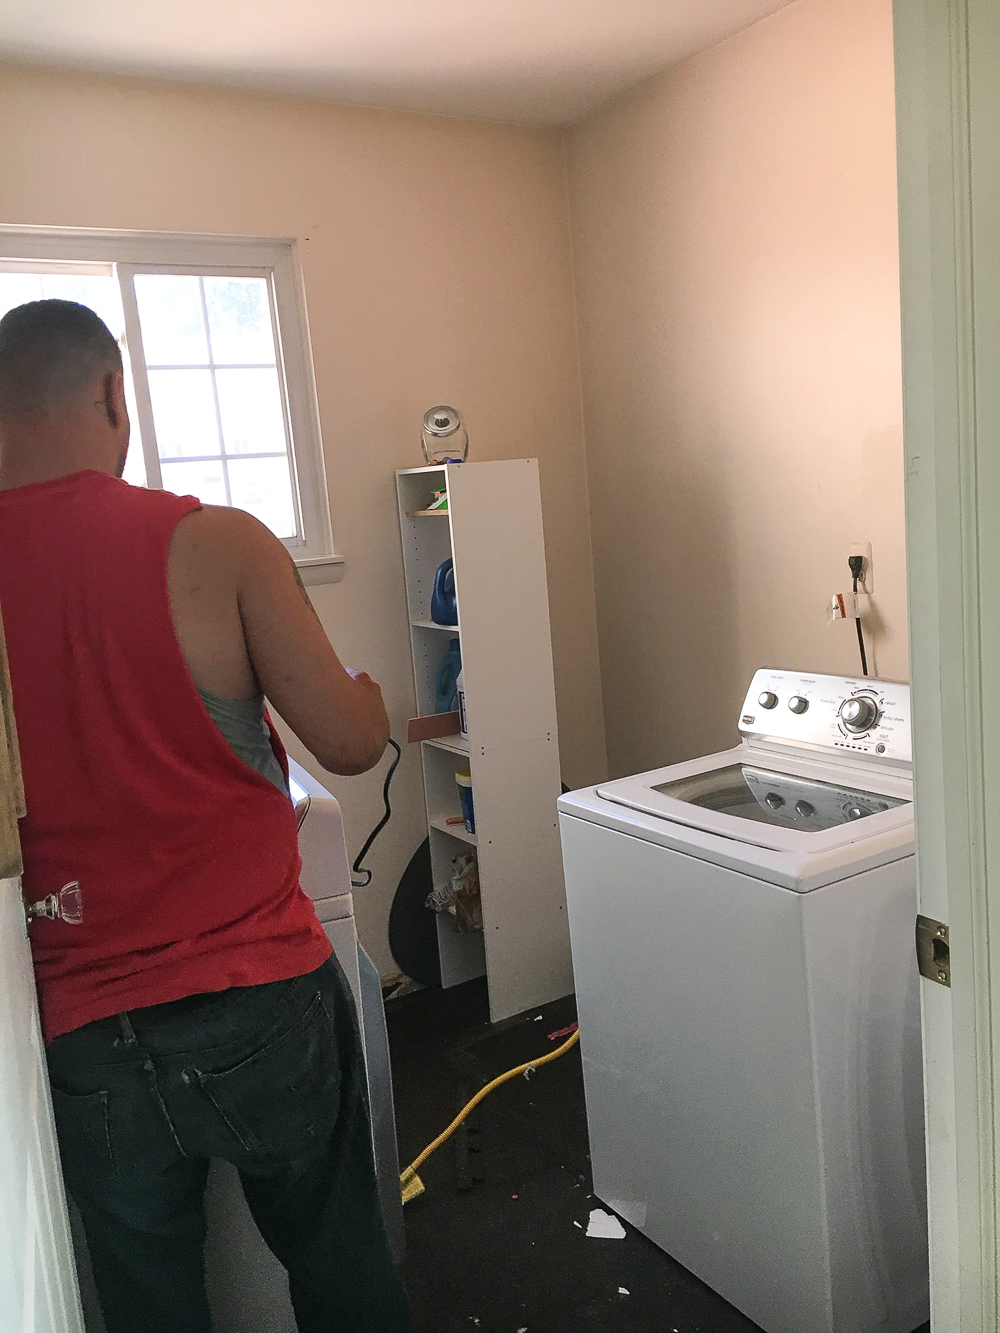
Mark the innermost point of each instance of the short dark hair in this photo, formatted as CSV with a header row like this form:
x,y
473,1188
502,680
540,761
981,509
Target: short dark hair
x,y
49,352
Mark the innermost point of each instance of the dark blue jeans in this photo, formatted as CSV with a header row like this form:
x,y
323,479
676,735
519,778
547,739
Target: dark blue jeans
x,y
266,1077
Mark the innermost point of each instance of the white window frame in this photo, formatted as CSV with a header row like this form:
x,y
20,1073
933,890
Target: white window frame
x,y
209,255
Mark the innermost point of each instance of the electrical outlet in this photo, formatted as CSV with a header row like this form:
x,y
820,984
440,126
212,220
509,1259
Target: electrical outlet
x,y
867,583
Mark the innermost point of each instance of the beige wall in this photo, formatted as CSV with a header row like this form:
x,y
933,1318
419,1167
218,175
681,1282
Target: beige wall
x,y
734,228
437,268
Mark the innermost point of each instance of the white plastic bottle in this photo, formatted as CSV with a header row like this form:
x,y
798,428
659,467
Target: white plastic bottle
x,y
463,724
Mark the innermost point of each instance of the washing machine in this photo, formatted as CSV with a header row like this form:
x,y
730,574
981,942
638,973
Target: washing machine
x,y
743,942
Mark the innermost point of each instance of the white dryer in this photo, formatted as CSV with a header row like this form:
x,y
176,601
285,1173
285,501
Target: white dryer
x,y
743,943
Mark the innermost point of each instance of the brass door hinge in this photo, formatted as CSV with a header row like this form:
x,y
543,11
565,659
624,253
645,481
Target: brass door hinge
x,y
933,950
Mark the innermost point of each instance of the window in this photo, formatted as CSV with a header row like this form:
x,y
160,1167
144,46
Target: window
x,y
218,370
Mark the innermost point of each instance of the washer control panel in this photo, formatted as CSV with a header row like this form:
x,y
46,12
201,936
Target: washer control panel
x,y
858,715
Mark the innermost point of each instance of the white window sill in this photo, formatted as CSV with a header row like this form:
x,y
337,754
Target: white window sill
x,y
321,569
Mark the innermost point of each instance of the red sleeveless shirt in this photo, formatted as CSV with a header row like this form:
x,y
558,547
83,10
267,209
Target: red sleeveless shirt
x,y
186,858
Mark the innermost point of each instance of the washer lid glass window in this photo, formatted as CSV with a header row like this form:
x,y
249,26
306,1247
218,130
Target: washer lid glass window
x,y
782,800
817,805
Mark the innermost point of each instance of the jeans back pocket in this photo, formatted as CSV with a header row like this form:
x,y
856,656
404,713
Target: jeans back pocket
x,y
282,1100
83,1128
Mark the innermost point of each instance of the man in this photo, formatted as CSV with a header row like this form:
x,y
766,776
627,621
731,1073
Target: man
x,y
195,1011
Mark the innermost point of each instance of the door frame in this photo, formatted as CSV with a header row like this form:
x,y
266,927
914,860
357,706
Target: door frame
x,y
948,116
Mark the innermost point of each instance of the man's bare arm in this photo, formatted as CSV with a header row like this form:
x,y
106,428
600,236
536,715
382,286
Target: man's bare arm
x,y
338,716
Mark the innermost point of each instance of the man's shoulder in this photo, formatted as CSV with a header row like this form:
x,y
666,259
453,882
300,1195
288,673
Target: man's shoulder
x,y
220,540
221,526
122,496
153,496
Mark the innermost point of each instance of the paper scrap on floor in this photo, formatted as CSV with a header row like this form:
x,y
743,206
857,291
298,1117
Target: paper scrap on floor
x,y
605,1226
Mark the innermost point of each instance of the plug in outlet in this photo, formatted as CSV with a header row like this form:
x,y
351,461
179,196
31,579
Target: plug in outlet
x,y
864,549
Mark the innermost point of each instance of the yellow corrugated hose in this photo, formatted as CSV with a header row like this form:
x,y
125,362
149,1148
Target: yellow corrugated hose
x,y
410,1183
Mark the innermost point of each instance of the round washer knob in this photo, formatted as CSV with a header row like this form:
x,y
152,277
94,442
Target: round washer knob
x,y
798,704
768,699
773,801
805,809
859,714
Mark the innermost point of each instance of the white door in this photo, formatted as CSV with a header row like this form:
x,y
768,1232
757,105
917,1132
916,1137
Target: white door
x,y
948,104
38,1290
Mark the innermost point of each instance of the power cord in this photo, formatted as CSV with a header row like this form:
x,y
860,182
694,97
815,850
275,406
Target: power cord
x,y
410,1183
857,567
358,870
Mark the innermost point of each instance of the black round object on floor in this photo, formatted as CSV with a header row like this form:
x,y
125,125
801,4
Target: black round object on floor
x,y
412,925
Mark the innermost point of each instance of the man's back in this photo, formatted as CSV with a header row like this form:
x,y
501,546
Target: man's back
x,y
185,856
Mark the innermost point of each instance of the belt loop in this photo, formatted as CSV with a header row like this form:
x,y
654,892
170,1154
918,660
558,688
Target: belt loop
x,y
128,1037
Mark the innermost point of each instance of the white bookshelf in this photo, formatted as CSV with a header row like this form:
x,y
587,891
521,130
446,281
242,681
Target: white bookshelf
x,y
493,531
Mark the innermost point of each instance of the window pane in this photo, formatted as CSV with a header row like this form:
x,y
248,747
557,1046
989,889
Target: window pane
x,y
213,372
205,480
263,487
170,315
184,413
239,320
17,289
135,462
250,407
91,289
97,290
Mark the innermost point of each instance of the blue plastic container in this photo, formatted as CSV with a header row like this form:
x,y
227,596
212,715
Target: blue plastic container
x,y
444,602
464,780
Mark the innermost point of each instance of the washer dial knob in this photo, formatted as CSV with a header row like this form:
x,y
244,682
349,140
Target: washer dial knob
x,y
798,704
768,699
859,714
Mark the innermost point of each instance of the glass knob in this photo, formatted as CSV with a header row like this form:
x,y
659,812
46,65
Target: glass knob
x,y
66,905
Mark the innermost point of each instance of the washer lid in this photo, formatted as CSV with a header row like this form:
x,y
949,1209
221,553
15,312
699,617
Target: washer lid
x,y
785,803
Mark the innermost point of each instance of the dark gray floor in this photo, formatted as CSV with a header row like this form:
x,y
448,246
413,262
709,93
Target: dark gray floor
x,y
505,1255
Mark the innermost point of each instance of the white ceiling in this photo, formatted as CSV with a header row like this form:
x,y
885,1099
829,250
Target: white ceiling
x,y
528,61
